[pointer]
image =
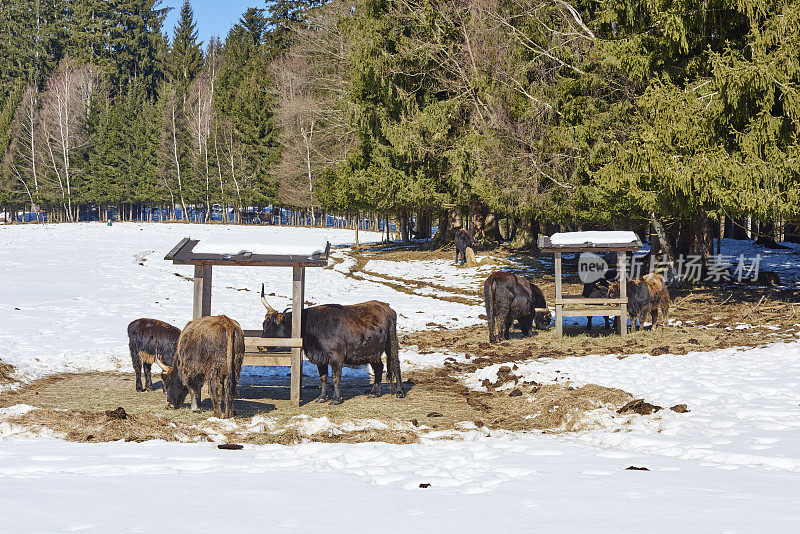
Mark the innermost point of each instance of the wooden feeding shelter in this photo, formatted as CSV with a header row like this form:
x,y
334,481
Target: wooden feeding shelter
x,y
298,257
595,242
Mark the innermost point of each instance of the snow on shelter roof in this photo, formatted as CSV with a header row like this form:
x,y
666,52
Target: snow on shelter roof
x,y
598,239
306,246
306,251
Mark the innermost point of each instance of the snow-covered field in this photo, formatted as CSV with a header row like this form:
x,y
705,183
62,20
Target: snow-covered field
x,y
731,464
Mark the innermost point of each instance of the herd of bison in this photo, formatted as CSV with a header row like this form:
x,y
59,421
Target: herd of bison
x,y
211,349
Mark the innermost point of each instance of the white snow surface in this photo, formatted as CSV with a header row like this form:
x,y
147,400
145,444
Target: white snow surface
x,y
744,403
729,465
594,237
270,243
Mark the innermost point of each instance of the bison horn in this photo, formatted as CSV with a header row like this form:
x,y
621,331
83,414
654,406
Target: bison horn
x,y
269,308
166,368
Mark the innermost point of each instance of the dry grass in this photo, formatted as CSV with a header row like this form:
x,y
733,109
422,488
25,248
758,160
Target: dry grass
x,y
6,370
75,405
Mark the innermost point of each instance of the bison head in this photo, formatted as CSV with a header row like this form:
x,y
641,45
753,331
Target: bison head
x,y
275,324
174,387
542,320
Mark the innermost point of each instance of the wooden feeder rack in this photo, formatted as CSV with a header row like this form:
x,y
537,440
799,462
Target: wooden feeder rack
x,y
182,254
602,307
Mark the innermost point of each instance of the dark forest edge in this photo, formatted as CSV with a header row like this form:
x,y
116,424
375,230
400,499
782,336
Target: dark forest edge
x,y
678,120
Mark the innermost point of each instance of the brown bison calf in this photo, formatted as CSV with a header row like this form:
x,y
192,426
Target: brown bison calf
x,y
647,296
209,349
150,340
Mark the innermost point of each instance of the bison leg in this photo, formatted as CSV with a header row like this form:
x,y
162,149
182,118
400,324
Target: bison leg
x,y
641,317
323,382
492,327
508,320
148,377
654,318
526,324
589,323
377,370
194,395
137,368
336,371
607,322
217,389
398,379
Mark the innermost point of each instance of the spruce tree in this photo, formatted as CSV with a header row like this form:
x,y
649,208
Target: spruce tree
x,y
185,55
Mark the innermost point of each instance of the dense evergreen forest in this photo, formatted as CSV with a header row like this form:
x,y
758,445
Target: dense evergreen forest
x,y
674,117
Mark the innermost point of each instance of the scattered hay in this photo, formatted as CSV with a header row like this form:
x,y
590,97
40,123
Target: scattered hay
x,y
6,372
101,427
556,407
293,437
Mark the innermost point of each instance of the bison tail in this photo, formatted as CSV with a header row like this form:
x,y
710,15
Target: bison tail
x,y
489,302
393,375
229,384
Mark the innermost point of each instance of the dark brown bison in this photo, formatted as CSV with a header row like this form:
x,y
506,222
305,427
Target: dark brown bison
x,y
209,349
463,241
596,290
339,335
149,340
509,297
646,296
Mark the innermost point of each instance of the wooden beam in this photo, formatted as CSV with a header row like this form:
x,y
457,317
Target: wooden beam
x,y
623,293
298,298
592,312
176,248
201,302
584,300
269,360
559,307
251,344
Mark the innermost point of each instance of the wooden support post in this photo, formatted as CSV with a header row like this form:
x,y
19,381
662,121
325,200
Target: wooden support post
x,y
559,307
623,293
201,305
298,298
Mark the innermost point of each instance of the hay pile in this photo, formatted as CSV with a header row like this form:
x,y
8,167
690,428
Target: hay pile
x,y
88,426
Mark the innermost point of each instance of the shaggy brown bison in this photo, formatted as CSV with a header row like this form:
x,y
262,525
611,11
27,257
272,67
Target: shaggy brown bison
x,y
647,296
463,241
339,335
209,349
510,297
148,340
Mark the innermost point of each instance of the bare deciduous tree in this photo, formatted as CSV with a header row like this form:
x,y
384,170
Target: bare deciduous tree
x,y
64,109
310,84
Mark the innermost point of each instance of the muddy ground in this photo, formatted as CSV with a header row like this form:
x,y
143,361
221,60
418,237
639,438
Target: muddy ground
x,y
707,318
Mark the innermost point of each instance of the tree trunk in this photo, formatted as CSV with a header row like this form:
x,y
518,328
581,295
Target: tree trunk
x,y
491,227
664,245
357,218
527,233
